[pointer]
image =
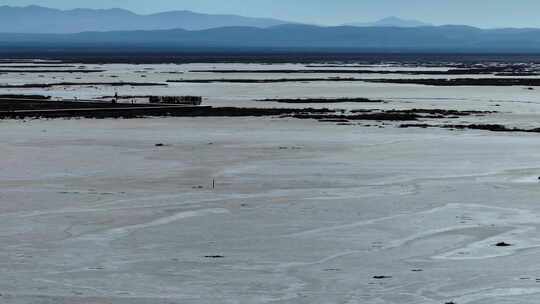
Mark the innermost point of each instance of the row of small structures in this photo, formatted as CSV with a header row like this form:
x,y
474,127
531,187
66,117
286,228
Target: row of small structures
x,y
187,100
21,106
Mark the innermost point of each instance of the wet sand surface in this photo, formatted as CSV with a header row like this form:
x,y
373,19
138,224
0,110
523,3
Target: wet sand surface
x,y
123,211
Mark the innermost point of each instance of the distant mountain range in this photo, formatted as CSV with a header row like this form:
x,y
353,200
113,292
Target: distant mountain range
x,y
40,28
429,38
37,19
40,20
392,22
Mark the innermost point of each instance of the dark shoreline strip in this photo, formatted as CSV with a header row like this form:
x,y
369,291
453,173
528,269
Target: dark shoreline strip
x,y
59,84
157,111
530,82
322,100
263,80
51,71
485,71
484,127
378,116
23,106
4,66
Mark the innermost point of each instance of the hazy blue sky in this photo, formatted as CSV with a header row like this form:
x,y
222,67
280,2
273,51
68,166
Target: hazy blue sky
x,y
484,13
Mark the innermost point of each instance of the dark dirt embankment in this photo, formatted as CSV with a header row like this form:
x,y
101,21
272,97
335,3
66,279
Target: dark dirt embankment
x,y
36,66
45,108
35,108
390,115
25,71
68,84
10,97
323,100
485,127
155,111
377,116
530,82
471,71
26,103
276,80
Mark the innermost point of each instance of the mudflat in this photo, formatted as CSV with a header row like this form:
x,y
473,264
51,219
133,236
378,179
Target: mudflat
x,y
123,211
384,191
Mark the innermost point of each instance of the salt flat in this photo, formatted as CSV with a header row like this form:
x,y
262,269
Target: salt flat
x,y
91,211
